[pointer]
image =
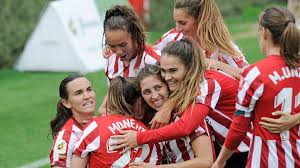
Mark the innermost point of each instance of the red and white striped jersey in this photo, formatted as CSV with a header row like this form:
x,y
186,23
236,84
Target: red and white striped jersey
x,y
96,143
268,86
218,91
64,144
115,67
173,35
170,36
180,150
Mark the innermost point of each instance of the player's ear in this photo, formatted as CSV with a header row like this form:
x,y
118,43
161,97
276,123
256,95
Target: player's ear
x,y
265,33
66,103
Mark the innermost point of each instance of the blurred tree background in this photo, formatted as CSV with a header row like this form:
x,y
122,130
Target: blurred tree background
x,y
19,17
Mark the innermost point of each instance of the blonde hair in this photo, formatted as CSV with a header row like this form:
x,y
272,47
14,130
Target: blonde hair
x,y
212,32
281,23
122,96
190,54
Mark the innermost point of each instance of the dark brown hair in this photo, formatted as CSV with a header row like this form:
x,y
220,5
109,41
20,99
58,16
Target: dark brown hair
x,y
124,18
281,23
63,113
122,96
146,112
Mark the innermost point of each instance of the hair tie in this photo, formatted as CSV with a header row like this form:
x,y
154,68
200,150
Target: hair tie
x,y
287,22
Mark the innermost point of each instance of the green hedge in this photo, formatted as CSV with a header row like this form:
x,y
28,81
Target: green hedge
x,y
18,19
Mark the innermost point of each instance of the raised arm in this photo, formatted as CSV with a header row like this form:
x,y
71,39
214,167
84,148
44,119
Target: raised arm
x,y
189,121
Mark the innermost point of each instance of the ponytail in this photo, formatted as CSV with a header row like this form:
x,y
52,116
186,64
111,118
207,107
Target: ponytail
x,y
289,45
212,31
62,116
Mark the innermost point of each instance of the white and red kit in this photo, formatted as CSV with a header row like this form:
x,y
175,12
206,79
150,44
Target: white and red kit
x,y
216,103
96,143
64,144
268,85
173,35
180,150
115,67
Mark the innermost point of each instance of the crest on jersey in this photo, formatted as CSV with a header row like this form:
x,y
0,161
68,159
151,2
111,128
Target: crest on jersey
x,y
61,147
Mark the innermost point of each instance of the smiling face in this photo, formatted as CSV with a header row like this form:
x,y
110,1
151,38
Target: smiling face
x,y
121,43
172,70
81,96
185,23
154,91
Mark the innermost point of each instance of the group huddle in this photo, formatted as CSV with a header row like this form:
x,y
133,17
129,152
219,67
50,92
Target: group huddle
x,y
190,100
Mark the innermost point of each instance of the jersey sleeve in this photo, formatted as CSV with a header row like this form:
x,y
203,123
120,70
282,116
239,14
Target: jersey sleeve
x,y
89,141
250,90
240,60
152,55
168,37
200,130
111,66
189,121
60,155
210,91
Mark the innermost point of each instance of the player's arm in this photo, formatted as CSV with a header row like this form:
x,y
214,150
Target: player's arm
x,y
191,119
215,64
79,162
237,132
285,122
202,149
59,153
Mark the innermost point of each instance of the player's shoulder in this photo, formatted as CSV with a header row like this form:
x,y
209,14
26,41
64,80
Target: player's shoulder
x,y
218,76
68,127
151,55
171,32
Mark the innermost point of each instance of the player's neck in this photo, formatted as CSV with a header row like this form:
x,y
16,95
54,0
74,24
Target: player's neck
x,y
273,51
82,119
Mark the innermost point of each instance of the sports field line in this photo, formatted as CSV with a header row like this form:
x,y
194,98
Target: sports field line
x,y
36,164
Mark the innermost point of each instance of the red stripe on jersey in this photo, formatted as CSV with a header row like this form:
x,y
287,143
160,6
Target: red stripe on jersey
x,y
150,51
159,153
211,88
164,36
280,155
295,153
116,66
171,154
181,146
67,137
176,37
138,62
126,71
220,118
250,155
